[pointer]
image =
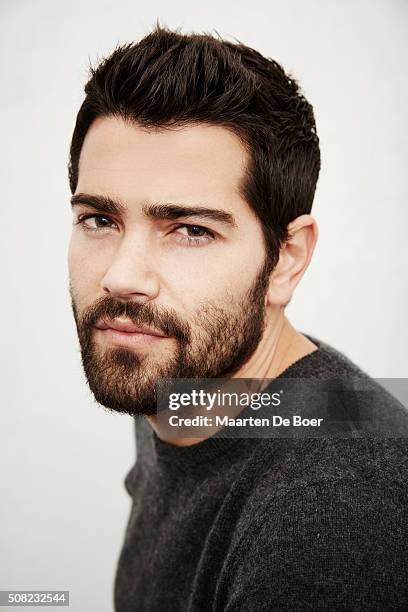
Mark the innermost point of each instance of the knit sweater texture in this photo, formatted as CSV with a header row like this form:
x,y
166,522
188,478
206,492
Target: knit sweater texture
x,y
254,525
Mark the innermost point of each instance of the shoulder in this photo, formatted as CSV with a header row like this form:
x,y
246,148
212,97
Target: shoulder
x,y
377,468
334,532
280,469
349,398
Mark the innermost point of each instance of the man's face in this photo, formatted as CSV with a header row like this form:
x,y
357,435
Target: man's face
x,y
198,278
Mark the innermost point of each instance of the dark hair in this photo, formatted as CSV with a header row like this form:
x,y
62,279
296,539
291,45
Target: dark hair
x,y
170,79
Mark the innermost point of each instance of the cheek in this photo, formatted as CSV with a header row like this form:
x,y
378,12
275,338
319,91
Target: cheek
x,y
85,268
220,283
73,256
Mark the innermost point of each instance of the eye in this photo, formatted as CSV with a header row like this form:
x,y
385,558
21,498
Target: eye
x,y
194,235
94,223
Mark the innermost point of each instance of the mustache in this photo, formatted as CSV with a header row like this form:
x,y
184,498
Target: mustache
x,y
164,320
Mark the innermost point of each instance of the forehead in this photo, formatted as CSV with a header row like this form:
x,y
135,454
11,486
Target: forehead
x,y
193,163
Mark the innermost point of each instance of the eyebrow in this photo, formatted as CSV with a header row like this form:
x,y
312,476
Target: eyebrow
x,y
167,210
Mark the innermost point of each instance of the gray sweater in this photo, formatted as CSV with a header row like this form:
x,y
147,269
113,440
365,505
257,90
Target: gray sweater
x,y
278,523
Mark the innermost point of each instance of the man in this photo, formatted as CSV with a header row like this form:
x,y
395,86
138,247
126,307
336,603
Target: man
x,y
193,168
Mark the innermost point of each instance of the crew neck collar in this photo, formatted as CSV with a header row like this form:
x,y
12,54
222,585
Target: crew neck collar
x,y
217,444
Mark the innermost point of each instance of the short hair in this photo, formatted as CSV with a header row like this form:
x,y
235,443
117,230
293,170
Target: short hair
x,y
171,79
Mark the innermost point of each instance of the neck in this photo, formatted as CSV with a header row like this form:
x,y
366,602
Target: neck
x,y
280,346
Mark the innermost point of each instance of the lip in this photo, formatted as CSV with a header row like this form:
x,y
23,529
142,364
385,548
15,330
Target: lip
x,y
127,327
124,333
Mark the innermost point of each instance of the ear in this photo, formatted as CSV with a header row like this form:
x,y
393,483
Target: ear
x,y
294,259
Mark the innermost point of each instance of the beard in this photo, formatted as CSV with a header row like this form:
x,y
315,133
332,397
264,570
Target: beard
x,y
216,344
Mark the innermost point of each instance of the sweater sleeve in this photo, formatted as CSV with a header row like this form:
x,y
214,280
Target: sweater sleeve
x,y
334,545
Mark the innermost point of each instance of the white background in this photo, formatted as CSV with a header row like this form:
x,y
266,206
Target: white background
x,y
64,507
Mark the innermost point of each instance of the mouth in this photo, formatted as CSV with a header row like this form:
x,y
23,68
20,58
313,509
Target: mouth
x,y
125,333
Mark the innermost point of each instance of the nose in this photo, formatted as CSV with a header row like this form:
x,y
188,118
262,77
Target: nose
x,y
131,273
